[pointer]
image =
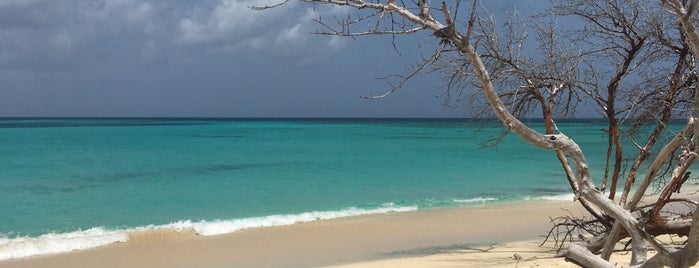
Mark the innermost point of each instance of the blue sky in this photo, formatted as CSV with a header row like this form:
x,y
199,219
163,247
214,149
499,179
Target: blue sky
x,y
207,58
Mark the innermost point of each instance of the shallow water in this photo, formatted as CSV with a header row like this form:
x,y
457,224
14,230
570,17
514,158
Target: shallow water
x,y
64,180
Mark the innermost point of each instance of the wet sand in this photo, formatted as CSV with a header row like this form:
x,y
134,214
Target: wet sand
x,y
367,241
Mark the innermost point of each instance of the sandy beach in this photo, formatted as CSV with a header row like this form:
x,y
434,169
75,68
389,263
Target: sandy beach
x,y
477,236
493,256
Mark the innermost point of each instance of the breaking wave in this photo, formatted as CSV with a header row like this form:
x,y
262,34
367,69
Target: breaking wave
x,y
53,243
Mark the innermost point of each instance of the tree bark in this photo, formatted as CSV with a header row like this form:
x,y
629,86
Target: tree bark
x,y
560,142
662,156
585,258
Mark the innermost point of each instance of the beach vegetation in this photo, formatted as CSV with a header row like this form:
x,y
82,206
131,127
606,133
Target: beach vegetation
x,y
633,63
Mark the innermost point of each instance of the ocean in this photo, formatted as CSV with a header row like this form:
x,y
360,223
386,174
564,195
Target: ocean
x,y
71,184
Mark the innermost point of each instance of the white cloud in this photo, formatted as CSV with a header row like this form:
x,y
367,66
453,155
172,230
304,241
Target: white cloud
x,y
57,35
191,32
336,42
293,35
228,21
231,26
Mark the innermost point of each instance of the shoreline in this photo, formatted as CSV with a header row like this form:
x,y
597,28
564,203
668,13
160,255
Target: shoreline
x,y
338,241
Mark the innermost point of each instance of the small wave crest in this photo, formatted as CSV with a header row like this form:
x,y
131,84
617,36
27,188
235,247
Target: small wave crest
x,y
53,243
205,228
480,200
558,197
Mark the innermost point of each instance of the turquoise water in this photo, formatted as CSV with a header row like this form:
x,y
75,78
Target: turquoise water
x,y
96,177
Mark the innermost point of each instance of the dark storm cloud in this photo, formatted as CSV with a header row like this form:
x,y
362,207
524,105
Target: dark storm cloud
x,y
198,58
160,57
39,36
57,35
230,26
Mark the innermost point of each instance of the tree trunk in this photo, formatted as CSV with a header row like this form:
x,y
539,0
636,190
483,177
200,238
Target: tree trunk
x,y
662,156
553,142
585,258
570,175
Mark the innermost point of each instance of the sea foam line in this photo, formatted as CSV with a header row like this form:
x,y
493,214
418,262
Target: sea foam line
x,y
53,243
559,197
22,247
216,227
475,200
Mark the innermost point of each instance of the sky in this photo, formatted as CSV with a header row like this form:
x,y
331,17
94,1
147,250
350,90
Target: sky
x,y
205,58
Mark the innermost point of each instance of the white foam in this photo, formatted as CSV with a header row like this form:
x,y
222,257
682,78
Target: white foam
x,y
228,226
475,200
559,197
21,247
53,243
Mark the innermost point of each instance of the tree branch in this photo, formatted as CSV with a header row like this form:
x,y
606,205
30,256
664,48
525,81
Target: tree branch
x,y
268,6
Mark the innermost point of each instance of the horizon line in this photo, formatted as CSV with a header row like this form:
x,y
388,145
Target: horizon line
x,y
242,118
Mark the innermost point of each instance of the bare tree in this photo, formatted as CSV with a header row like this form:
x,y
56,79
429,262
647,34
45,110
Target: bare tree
x,y
630,37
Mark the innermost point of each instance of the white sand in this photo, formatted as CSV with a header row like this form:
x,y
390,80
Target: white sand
x,y
460,237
